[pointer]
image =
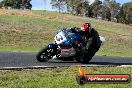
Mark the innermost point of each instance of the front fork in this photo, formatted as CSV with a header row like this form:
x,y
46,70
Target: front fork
x,y
56,50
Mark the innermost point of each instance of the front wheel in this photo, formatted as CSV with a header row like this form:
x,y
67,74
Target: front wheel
x,y
45,54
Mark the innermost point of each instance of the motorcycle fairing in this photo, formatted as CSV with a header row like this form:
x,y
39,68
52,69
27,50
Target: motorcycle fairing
x,y
60,37
67,51
66,38
52,46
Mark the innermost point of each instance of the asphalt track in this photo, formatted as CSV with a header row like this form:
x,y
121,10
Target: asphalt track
x,y
17,59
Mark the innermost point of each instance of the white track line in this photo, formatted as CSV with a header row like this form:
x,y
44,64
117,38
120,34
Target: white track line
x,y
42,67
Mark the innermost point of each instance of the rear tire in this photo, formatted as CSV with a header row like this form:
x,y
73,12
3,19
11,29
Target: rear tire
x,y
84,58
44,54
66,58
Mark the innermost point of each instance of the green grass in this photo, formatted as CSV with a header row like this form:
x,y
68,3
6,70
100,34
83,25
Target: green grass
x,y
30,34
58,78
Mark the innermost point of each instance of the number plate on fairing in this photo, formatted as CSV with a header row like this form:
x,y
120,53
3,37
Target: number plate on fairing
x,y
60,37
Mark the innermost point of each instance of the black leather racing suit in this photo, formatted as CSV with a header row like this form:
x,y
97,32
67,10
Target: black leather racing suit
x,y
90,38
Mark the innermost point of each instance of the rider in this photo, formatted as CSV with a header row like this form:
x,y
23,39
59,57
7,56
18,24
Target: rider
x,y
87,33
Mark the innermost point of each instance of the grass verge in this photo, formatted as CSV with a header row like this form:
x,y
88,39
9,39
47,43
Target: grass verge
x,y
30,34
58,78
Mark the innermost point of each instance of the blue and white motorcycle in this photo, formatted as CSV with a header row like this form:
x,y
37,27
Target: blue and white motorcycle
x,y
63,49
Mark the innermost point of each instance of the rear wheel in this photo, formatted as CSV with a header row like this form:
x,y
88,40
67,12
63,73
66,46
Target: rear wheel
x,y
84,58
66,58
45,54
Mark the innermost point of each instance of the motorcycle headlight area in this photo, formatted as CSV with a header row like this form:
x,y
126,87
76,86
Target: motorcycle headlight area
x,y
51,46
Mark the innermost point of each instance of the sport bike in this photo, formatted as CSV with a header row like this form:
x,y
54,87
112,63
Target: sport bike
x,y
63,48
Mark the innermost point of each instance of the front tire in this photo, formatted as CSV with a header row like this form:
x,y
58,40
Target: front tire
x,y
44,55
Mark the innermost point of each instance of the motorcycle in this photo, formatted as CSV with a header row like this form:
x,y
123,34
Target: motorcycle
x,y
63,49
